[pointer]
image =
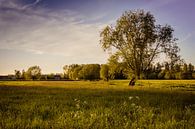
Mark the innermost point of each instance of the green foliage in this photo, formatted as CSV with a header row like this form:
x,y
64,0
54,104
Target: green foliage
x,y
92,105
190,68
69,71
91,72
33,73
85,71
168,75
161,75
77,74
138,40
116,68
104,72
23,75
178,75
18,74
51,76
187,71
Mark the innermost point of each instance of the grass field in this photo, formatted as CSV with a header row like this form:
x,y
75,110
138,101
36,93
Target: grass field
x,y
97,104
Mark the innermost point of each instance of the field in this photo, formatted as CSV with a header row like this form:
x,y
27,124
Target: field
x,y
97,104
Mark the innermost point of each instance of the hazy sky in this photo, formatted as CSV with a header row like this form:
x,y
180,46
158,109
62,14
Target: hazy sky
x,y
52,33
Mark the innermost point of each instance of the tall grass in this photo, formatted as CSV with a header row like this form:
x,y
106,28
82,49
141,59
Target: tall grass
x,y
150,104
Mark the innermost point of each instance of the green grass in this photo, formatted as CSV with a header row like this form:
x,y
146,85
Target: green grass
x,y
82,104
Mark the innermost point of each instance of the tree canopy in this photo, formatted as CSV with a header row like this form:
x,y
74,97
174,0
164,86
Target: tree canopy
x,y
34,73
138,41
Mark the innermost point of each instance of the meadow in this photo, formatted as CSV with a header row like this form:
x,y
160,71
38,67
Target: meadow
x,y
154,104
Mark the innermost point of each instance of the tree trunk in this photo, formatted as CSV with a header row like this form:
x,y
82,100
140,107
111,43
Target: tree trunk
x,y
138,75
132,82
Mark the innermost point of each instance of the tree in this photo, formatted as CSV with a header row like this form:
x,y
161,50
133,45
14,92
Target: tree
x,y
77,72
84,71
90,72
70,72
190,68
104,72
138,41
51,76
18,74
116,67
23,74
34,73
177,71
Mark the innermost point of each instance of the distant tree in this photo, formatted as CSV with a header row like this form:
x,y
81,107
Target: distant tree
x,y
168,75
104,72
138,41
158,68
77,74
33,73
66,71
116,68
177,68
23,74
185,68
192,71
190,68
51,76
69,71
167,66
177,71
84,71
90,72
17,74
184,74
161,75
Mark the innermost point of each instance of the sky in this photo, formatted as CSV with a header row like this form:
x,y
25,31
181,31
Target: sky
x,y
53,33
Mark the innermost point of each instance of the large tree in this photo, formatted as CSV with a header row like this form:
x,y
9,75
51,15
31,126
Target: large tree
x,y
138,41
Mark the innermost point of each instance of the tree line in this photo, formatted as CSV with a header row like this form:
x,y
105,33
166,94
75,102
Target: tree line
x,y
113,69
116,70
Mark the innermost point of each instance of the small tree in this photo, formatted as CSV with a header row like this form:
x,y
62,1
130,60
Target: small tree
x,y
18,74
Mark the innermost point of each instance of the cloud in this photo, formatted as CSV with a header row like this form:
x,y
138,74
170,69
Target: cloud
x,y
8,4
31,5
187,37
42,31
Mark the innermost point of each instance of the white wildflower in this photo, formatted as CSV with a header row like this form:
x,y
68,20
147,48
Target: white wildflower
x,y
133,104
130,97
137,97
85,102
77,106
75,115
93,114
125,103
